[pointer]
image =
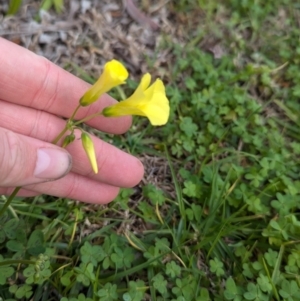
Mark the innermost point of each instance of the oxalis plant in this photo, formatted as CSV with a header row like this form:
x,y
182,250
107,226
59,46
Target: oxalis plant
x,y
147,100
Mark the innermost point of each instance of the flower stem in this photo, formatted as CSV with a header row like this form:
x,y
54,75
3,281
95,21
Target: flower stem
x,y
87,118
9,200
59,136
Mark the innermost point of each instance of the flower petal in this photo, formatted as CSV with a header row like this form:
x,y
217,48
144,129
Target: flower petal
x,y
158,109
145,101
114,74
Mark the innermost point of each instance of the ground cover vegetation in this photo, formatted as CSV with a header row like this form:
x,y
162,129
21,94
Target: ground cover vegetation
x,y
217,216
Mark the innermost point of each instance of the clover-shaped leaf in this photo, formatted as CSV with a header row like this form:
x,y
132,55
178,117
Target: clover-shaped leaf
x,y
5,272
135,292
154,194
188,126
85,273
254,293
247,270
290,290
293,262
216,267
271,257
190,189
264,283
122,258
93,254
10,228
160,283
232,292
22,291
108,292
35,244
173,269
66,278
204,295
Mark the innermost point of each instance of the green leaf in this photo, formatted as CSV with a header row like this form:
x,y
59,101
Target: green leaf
x,y
136,291
108,292
58,5
122,258
251,294
35,245
15,246
14,6
188,126
290,290
22,291
154,194
264,283
5,272
93,254
204,295
247,270
190,189
271,257
66,278
10,228
232,292
2,236
216,266
172,269
160,283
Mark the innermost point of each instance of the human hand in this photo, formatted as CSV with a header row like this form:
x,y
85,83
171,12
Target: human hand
x,y
33,93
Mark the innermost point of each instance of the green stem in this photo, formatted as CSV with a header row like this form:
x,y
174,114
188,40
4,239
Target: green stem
x,y
59,136
9,262
9,200
87,118
74,113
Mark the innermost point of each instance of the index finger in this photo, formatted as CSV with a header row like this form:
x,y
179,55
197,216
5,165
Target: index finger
x,y
31,80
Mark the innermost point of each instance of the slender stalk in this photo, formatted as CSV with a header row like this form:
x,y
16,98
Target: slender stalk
x,y
19,261
59,136
87,118
74,113
9,200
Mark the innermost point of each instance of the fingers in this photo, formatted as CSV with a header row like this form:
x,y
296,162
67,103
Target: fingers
x,y
44,86
72,186
24,160
115,167
32,92
22,192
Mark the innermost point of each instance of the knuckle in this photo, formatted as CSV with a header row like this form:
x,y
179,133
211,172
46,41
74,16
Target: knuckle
x,y
10,152
47,88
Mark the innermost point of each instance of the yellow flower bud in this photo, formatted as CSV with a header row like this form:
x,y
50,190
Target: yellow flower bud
x,y
114,74
88,146
149,101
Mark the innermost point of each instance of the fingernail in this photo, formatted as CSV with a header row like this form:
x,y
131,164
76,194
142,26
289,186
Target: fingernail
x,y
52,163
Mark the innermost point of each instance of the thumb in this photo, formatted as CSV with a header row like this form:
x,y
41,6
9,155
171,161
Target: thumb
x,y
25,160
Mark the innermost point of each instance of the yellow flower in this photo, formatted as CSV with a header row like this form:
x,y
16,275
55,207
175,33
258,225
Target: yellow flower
x,y
88,146
145,101
114,74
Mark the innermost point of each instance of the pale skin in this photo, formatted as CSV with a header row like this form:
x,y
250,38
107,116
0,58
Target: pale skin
x,y
34,93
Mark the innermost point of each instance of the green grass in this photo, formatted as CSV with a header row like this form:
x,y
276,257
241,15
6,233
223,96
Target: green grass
x,y
223,222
